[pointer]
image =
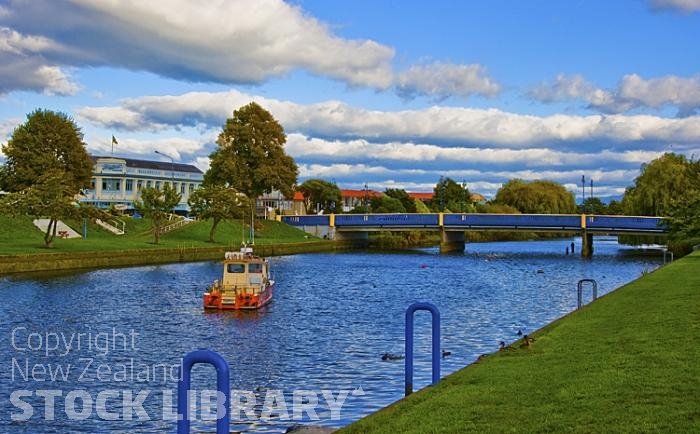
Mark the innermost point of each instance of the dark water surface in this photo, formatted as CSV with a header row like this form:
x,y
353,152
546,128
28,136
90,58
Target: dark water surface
x,y
332,317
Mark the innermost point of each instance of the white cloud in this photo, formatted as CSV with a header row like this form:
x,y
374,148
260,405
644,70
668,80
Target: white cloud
x,y
443,80
221,41
175,147
632,92
23,67
458,126
564,88
306,148
681,5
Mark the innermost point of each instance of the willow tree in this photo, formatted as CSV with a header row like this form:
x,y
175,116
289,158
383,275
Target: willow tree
x,y
47,166
251,156
536,197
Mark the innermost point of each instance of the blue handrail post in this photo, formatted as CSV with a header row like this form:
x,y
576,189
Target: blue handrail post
x,y
435,313
222,385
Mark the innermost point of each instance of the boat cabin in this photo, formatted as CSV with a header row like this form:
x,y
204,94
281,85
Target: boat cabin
x,y
243,269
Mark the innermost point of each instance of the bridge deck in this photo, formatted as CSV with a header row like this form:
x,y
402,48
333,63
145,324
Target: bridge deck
x,y
597,224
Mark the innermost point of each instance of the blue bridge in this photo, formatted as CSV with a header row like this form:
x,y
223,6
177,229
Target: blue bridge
x,y
453,226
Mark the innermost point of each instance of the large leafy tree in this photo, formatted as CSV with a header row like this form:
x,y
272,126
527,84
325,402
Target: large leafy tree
x,y
218,203
536,197
448,195
251,156
320,194
47,165
409,205
660,186
157,205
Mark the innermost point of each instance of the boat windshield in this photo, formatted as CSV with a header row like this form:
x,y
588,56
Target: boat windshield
x,y
236,268
255,268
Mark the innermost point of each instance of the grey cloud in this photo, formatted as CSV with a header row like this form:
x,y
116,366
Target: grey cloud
x,y
443,80
217,41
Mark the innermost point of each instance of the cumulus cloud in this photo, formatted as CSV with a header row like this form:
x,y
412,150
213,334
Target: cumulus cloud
x,y
446,126
686,6
217,41
23,66
633,92
442,80
564,88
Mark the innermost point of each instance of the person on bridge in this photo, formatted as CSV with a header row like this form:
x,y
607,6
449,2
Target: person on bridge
x,y
572,247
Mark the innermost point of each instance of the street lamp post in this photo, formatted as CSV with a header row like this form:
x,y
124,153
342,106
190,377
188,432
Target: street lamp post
x,y
583,193
172,166
366,194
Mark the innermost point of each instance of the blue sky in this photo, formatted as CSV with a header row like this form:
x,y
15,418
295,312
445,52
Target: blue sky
x,y
393,94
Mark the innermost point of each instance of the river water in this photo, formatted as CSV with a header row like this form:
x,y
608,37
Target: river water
x,y
332,318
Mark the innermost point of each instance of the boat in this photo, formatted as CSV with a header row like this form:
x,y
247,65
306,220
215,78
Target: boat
x,y
245,284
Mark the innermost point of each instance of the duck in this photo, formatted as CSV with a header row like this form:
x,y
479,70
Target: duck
x,y
387,356
481,357
519,333
503,347
446,353
527,342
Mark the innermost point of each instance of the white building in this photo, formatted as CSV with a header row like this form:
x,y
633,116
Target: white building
x,y
118,181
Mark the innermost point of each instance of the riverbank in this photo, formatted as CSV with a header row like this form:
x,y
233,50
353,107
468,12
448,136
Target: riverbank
x,y
21,248
625,363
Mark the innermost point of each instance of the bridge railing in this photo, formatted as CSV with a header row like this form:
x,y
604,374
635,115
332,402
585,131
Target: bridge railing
x,y
533,222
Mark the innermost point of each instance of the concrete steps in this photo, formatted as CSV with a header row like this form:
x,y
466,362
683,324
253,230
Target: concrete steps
x,y
62,229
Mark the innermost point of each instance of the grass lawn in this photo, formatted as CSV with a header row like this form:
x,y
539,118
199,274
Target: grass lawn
x,y
20,236
629,362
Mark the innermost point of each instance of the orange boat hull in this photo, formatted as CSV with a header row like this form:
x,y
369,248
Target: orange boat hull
x,y
242,301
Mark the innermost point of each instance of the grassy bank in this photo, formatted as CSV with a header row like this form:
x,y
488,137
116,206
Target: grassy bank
x,y
625,363
22,248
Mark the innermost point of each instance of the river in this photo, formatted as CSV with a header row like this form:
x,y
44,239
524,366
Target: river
x,y
332,318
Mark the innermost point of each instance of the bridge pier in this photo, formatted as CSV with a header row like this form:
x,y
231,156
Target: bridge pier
x,y
359,236
586,244
452,241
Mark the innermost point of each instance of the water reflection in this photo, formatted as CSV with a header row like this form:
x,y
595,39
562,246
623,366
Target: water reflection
x,y
332,318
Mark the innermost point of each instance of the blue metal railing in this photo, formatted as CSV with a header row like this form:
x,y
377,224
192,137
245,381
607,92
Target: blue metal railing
x,y
222,386
579,290
555,222
409,343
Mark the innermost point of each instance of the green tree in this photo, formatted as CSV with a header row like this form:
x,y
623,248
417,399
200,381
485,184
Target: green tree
x,y
386,204
593,205
218,203
408,204
448,195
157,205
536,197
320,194
47,166
251,156
660,186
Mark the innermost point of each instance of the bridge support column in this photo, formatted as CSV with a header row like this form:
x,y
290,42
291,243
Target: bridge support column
x,y
451,241
586,244
362,238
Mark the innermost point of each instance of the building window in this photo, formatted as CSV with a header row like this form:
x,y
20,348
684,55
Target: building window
x,y
111,184
93,182
191,188
175,186
129,185
182,188
158,185
139,185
